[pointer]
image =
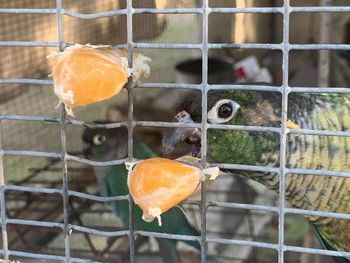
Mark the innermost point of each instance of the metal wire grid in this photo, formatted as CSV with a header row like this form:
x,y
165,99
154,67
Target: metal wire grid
x,y
204,46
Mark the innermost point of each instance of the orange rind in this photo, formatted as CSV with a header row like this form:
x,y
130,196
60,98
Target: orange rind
x,y
85,74
158,184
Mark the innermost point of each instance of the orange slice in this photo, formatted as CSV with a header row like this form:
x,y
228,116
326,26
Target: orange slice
x,y
87,74
157,184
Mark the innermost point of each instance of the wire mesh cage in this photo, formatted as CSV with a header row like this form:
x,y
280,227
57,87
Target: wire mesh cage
x,y
51,209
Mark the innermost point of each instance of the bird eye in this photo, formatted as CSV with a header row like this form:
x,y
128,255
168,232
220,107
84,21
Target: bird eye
x,y
99,139
223,111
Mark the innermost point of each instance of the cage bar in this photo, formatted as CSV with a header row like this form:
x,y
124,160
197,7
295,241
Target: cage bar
x,y
324,55
203,204
204,87
66,229
130,123
5,250
283,133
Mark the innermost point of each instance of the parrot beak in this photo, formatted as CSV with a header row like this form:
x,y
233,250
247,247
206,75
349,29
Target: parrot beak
x,y
174,136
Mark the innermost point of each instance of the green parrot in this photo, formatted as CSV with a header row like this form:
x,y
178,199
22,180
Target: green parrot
x,y
111,144
307,111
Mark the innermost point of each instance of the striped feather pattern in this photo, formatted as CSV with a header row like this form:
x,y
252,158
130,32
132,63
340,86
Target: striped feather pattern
x,y
313,192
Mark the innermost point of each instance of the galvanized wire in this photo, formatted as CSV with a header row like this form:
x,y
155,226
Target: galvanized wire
x,y
324,54
225,10
285,47
130,124
283,133
3,202
203,204
66,230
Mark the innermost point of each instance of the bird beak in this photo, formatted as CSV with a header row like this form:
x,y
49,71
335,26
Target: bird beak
x,y
175,135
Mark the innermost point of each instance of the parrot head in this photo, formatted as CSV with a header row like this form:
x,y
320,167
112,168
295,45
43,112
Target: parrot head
x,y
102,144
226,107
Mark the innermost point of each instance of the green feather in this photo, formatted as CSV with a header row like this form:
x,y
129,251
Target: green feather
x,y
235,147
309,111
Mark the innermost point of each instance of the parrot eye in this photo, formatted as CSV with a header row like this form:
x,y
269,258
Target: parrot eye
x,y
223,111
99,139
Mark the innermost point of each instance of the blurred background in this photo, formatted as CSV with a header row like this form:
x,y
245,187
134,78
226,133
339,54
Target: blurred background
x,y
167,66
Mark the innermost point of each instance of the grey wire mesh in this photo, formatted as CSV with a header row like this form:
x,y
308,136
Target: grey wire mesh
x,y
204,46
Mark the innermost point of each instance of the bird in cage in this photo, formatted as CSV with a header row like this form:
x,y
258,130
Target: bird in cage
x,y
111,144
262,148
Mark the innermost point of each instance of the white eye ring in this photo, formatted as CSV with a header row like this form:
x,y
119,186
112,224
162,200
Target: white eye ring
x,y
99,139
213,113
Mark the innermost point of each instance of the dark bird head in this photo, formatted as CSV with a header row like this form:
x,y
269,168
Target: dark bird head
x,y
221,110
102,144
224,107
